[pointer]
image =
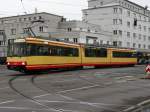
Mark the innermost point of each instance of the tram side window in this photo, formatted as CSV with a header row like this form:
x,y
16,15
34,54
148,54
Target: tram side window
x,y
63,51
43,50
101,52
124,54
95,52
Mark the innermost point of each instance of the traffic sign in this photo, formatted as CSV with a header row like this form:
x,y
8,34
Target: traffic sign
x,y
148,68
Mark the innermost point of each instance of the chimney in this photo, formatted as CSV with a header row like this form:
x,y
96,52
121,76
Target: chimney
x,y
36,10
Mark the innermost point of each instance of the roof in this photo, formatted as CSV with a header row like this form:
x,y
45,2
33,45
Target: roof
x,y
30,15
115,5
100,7
135,4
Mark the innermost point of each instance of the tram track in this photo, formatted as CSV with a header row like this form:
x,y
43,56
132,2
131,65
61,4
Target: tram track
x,y
74,100
11,85
58,93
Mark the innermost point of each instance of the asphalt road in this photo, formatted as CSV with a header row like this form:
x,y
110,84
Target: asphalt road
x,y
90,90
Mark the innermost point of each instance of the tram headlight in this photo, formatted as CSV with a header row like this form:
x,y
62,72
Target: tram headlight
x,y
8,63
23,63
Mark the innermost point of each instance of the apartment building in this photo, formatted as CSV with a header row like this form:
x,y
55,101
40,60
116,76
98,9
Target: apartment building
x,y
129,22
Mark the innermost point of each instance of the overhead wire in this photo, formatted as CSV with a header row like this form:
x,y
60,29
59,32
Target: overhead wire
x,y
23,6
60,3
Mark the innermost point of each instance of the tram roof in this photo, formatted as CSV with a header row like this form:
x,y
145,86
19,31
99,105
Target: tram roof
x,y
45,41
50,41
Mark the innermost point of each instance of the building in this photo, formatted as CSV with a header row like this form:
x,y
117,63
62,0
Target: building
x,y
17,27
50,26
82,32
129,22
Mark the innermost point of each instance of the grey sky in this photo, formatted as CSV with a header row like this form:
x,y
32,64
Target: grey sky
x,y
70,9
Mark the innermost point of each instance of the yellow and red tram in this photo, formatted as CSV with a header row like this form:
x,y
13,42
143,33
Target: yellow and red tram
x,y
32,54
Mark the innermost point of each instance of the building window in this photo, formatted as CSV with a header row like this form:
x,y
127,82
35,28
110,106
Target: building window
x,y
149,38
101,3
88,30
13,31
145,19
66,39
107,42
140,36
128,34
120,10
144,37
134,45
34,18
140,17
114,43
134,35
120,32
29,18
128,13
149,30
69,29
144,46
40,17
115,10
115,32
134,15
144,28
20,19
149,47
2,43
128,24
120,43
75,40
115,21
25,19
140,27
139,46
2,32
25,30
128,44
101,42
41,29
120,21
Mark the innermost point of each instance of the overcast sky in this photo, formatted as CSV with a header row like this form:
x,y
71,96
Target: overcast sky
x,y
71,9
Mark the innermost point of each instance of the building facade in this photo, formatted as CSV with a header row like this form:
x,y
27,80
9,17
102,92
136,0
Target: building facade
x,y
129,22
50,26
82,32
17,27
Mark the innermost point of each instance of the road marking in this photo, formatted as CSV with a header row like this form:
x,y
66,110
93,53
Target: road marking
x,y
4,88
121,81
21,108
9,101
84,103
66,97
35,109
86,87
41,95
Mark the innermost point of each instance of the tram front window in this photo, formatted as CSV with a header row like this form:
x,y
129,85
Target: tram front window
x,y
17,49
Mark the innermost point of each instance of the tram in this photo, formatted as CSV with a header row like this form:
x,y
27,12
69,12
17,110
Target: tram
x,y
33,54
